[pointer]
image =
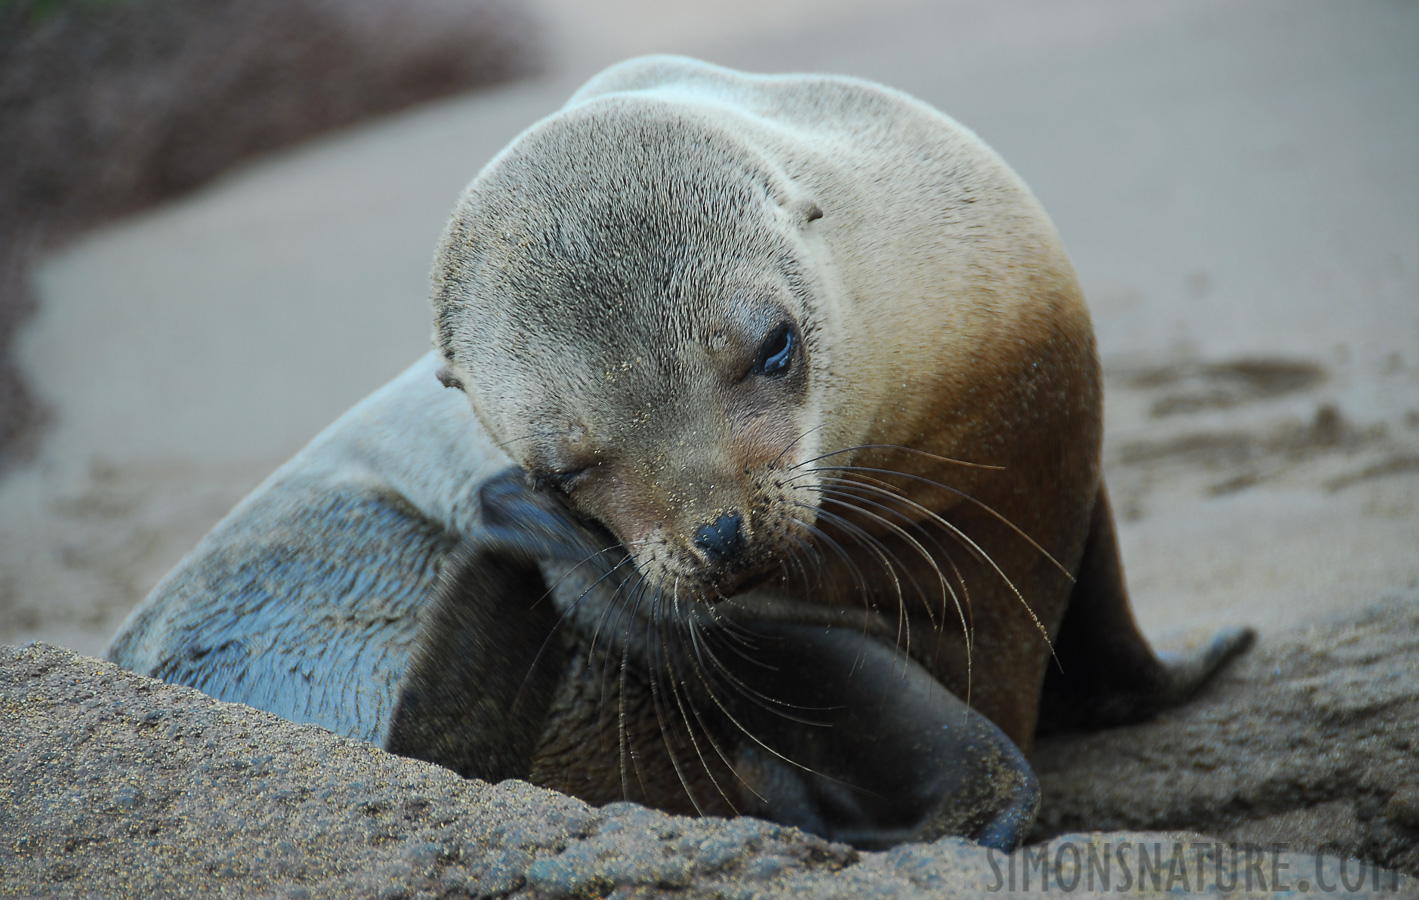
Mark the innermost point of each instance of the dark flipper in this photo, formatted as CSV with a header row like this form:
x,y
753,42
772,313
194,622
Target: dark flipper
x,y
831,730
478,689
1107,674
864,746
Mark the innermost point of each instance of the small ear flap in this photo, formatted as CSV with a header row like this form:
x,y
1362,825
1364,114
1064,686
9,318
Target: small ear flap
x,y
447,378
808,211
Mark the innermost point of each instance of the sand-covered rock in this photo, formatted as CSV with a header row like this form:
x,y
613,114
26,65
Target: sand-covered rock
x,y
1311,739
118,785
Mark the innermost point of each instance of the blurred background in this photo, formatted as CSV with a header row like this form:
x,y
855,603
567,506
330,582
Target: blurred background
x,y
218,220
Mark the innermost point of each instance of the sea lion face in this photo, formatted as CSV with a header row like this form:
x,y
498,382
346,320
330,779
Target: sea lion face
x,y
625,297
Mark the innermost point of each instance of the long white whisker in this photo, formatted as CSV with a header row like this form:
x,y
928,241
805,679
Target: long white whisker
x,y
794,442
928,455
838,548
890,564
987,559
673,623
947,591
969,499
655,648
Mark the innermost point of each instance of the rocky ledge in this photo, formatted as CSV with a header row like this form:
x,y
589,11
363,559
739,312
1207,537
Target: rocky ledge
x,y
1297,772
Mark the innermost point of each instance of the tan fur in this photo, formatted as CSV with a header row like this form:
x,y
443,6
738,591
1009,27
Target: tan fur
x,y
604,283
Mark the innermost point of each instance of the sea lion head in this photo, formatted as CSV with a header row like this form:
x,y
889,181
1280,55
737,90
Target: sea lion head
x,y
629,297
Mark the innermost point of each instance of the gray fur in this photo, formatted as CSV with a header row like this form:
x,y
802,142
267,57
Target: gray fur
x,y
613,270
691,206
604,296
304,600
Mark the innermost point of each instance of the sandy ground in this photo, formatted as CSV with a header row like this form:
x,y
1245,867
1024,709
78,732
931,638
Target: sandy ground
x,y
1235,182
112,107
121,786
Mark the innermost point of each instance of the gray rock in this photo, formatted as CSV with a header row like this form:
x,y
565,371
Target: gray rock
x,y
1311,739
122,786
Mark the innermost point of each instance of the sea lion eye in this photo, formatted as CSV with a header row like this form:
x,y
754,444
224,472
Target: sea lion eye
x,y
776,353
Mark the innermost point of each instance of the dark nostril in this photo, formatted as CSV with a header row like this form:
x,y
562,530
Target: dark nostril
x,y
723,539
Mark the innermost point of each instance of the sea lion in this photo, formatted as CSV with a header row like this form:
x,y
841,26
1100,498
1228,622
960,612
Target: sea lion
x,y
787,721
813,358
773,329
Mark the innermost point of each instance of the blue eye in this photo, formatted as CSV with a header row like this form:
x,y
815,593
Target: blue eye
x,y
776,354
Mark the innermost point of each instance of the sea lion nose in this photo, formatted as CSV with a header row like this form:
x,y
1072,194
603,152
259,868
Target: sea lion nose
x,y
723,539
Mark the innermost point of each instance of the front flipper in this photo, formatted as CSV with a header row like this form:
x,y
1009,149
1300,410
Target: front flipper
x,y
486,668
841,734
1106,673
829,729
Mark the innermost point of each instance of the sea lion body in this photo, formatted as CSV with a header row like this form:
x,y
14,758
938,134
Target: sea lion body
x,y
305,599
606,281
783,720
812,357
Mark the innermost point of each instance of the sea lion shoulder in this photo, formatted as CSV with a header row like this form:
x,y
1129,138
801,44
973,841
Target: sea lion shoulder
x,y
304,599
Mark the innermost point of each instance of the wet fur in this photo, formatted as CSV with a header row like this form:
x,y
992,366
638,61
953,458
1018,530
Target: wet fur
x,y
935,457
935,473
707,710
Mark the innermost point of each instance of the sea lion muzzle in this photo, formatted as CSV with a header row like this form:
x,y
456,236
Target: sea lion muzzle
x,y
830,729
